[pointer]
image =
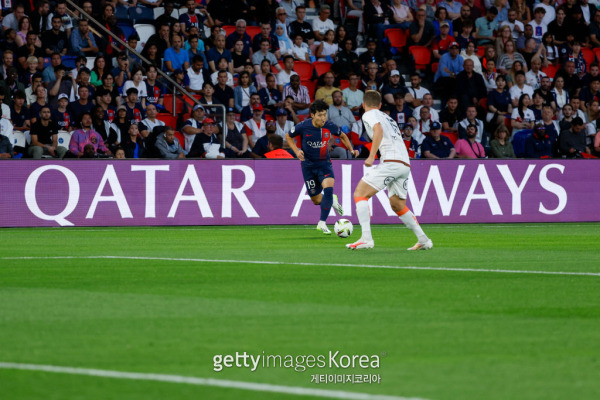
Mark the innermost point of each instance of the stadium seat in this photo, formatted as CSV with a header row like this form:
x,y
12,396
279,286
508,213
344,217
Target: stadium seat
x,y
168,103
480,51
302,117
519,140
588,56
19,139
144,31
252,31
69,61
344,83
141,14
597,53
397,38
434,67
304,70
158,11
311,86
322,67
550,70
180,137
90,62
64,137
229,29
453,136
421,55
168,119
127,29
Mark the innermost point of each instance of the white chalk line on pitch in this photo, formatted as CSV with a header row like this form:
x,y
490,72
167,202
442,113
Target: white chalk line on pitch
x,y
306,264
190,380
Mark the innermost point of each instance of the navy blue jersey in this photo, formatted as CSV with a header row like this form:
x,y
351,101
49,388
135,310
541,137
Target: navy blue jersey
x,y
314,140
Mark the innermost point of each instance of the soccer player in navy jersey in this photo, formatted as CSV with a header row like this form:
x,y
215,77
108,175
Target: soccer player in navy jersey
x,y
315,133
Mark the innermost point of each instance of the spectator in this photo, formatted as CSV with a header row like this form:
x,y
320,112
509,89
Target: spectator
x,y
421,31
275,148
486,26
469,53
168,147
165,18
82,40
500,146
299,93
442,41
61,11
11,85
451,116
263,54
552,127
322,23
11,21
412,146
109,131
87,136
265,34
572,82
458,22
338,113
391,88
194,18
522,117
499,103
470,86
36,106
371,81
572,142
193,126
401,15
346,61
161,39
243,91
19,113
196,76
256,126
247,111
80,106
236,141
416,92
39,17
6,147
206,144
283,77
283,124
400,111
471,119
270,97
63,83
223,65
239,34
427,102
148,124
538,144
30,48
510,56
61,116
283,40
44,137
300,50
469,147
36,80
538,25
441,18
261,146
436,145
516,27
450,66
135,110
55,40
353,97
223,93
301,27
520,88
121,72
325,92
176,57
133,144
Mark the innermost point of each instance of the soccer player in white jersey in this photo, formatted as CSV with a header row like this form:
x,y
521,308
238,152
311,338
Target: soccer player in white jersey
x,y
392,172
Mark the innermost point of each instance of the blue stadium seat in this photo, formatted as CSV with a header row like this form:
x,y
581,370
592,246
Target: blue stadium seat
x,y
141,14
127,29
519,140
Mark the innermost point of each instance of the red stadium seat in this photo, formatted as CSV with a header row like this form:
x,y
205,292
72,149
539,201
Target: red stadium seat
x,y
303,69
397,38
168,119
596,52
480,51
181,138
588,56
311,86
322,67
422,56
302,117
168,103
252,30
344,83
550,70
229,29
453,136
434,67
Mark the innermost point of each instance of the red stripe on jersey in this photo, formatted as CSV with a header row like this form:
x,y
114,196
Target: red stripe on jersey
x,y
325,136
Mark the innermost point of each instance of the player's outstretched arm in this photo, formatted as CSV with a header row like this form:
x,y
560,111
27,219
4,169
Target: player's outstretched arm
x,y
292,143
348,144
377,137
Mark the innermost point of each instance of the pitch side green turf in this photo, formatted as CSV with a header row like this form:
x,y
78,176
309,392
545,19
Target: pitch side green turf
x,y
455,329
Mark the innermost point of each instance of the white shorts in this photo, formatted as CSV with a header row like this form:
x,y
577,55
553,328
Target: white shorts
x,y
392,175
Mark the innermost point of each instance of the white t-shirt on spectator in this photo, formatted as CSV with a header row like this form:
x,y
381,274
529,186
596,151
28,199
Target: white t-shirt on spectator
x,y
196,79
534,80
538,30
515,92
512,25
283,78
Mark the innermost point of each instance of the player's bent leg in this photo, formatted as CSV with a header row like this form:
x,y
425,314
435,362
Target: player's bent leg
x,y
317,199
409,219
328,183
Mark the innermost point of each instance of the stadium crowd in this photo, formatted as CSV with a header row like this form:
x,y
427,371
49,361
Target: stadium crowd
x,y
471,79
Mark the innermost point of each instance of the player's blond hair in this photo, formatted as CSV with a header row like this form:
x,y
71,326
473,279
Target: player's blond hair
x,y
372,98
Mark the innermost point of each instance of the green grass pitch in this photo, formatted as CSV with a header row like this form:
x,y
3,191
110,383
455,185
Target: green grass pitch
x,y
441,334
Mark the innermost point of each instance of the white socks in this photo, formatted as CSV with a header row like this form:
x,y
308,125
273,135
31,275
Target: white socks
x,y
409,219
364,217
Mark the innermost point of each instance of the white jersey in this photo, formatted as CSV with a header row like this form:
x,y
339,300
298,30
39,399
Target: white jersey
x,y
392,146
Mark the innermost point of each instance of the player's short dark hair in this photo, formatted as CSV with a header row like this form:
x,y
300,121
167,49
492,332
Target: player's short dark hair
x,y
318,106
372,98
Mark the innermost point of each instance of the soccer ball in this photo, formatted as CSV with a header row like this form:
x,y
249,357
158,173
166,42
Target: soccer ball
x,y
343,228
